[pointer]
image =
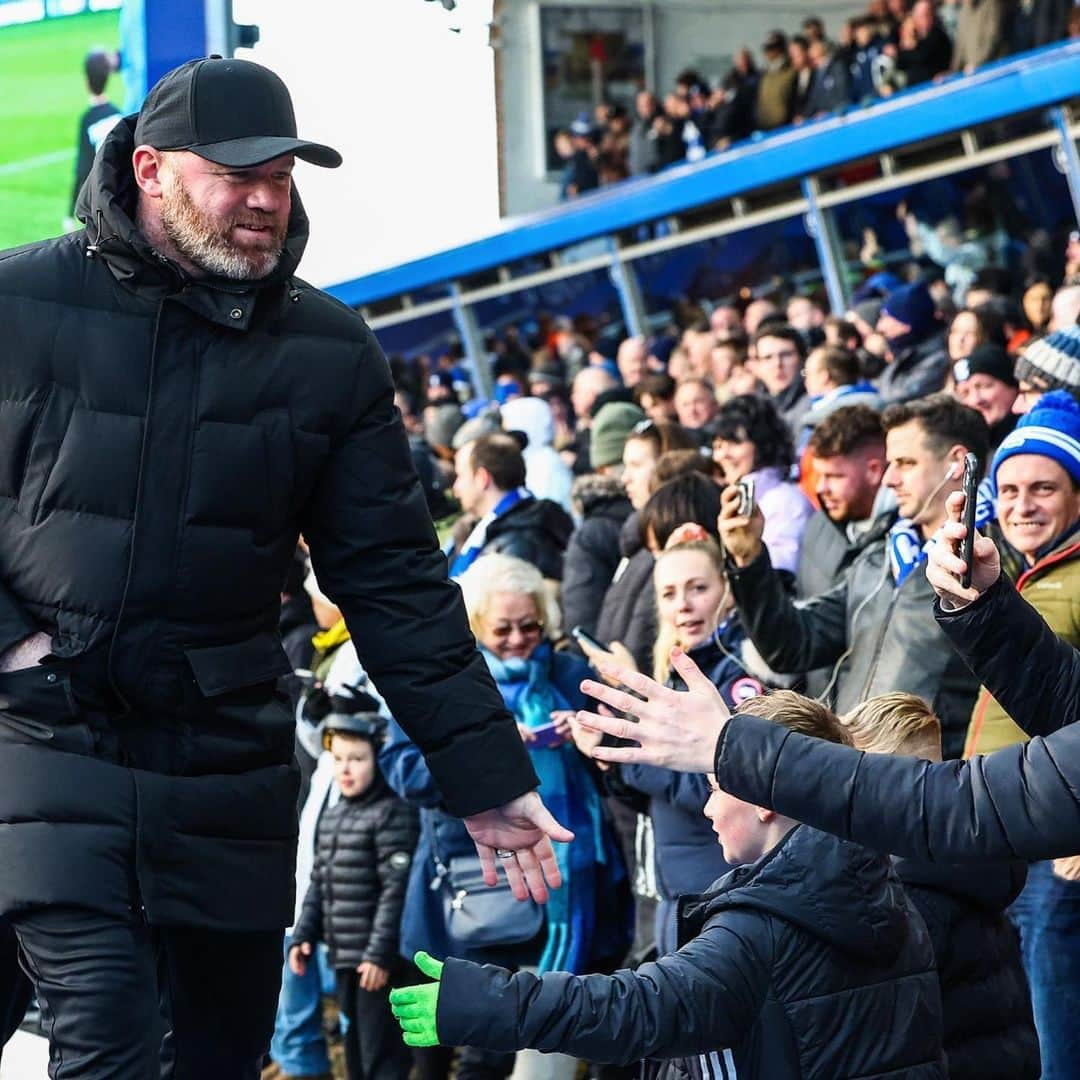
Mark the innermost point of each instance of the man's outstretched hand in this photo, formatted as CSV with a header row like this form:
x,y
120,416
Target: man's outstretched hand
x,y
524,826
674,729
416,1007
944,564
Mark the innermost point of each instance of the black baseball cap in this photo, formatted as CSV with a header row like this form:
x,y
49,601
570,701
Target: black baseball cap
x,y
232,112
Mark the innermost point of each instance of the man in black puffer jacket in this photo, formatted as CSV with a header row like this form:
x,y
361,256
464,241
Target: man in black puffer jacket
x,y
175,406
363,852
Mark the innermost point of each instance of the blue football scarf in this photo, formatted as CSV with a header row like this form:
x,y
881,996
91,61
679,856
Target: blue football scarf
x,y
570,794
472,547
907,552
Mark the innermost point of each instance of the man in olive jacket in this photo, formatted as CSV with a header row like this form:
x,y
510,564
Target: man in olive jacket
x,y
175,406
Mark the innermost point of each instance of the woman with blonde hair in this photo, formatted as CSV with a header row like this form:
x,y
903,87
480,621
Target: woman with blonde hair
x,y
514,621
695,611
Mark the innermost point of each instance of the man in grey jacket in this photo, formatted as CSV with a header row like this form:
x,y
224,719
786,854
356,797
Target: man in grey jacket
x,y
874,629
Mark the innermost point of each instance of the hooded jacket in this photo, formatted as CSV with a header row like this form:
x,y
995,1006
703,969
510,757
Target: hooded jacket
x,y
536,530
917,370
989,1030
547,476
875,636
165,443
592,556
810,963
628,613
363,850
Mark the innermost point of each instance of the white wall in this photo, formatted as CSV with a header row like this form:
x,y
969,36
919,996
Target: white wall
x,y
686,33
411,107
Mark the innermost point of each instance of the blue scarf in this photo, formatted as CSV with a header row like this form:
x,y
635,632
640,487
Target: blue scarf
x,y
571,795
907,551
476,540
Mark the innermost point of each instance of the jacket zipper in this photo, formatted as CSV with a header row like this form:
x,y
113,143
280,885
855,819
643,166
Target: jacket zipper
x,y
878,645
125,704
328,902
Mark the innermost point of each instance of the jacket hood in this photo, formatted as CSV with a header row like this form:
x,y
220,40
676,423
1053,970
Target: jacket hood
x,y
532,417
106,205
993,888
827,404
837,891
596,493
536,515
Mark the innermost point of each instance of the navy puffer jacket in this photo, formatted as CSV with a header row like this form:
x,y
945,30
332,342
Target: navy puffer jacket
x,y
811,963
985,1000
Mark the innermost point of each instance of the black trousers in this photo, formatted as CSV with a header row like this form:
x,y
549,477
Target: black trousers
x,y
124,1001
373,1046
15,990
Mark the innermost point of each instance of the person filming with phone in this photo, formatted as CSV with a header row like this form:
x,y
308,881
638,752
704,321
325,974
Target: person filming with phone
x,y
875,629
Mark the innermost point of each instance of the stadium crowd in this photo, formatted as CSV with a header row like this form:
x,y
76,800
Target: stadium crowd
x,y
893,45
759,485
707,628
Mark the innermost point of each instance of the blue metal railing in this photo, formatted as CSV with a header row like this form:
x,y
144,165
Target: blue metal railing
x,y
1030,82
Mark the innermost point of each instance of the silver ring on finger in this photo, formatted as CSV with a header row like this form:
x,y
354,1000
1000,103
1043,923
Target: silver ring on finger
x,y
505,853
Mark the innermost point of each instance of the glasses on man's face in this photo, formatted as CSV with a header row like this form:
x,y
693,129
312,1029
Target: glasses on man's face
x,y
527,628
783,357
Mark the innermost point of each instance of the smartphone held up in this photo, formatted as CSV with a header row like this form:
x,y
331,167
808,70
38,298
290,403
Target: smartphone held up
x,y
971,489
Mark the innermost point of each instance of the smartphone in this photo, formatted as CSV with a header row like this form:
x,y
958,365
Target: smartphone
x,y
746,497
545,737
583,637
971,495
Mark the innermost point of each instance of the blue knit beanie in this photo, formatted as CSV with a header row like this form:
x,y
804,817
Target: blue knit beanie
x,y
911,304
1051,429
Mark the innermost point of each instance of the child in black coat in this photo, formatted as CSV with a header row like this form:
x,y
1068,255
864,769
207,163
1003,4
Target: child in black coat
x,y
985,1002
363,851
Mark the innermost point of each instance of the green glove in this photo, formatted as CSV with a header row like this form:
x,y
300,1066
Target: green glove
x,y
415,1007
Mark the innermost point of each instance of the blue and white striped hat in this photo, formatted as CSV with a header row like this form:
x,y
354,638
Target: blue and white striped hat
x,y
1053,362
1051,429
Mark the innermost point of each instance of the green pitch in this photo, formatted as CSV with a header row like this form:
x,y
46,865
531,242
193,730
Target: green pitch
x,y
44,95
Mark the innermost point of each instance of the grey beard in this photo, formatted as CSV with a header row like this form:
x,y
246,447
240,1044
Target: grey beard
x,y
215,255
201,245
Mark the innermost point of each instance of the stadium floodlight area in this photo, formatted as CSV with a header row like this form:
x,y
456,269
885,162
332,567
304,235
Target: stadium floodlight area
x,y
1003,111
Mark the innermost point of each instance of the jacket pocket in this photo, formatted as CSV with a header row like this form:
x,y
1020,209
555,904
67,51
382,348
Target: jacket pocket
x,y
37,706
221,668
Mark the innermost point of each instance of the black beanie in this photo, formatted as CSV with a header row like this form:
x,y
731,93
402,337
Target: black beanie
x,y
986,359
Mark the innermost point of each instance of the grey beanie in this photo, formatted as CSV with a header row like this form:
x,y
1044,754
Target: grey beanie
x,y
1052,362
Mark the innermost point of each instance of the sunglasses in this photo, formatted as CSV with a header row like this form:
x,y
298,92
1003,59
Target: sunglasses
x,y
527,629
